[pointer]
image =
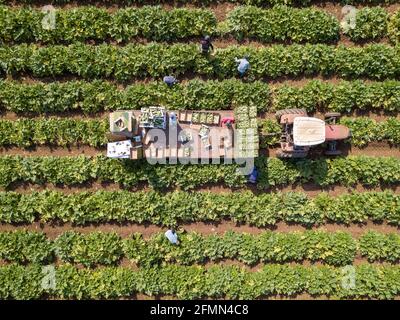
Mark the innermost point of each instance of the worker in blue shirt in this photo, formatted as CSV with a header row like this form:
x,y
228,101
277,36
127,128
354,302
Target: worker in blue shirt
x,y
243,66
170,80
172,236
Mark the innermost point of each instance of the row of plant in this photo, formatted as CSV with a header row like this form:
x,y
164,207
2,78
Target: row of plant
x,y
178,207
280,23
344,96
53,131
155,23
284,23
368,171
376,61
98,96
229,282
99,248
364,130
261,3
18,25
31,132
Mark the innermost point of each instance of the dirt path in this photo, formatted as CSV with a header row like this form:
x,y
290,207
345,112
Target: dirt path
x,y
127,229
378,149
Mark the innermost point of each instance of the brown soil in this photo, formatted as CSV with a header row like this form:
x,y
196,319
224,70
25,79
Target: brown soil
x,y
309,189
125,230
78,115
378,149
53,151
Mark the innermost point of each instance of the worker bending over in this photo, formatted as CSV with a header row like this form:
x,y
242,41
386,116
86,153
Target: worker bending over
x,y
172,236
243,66
206,45
170,80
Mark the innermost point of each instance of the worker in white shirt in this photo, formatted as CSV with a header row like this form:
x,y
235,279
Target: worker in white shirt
x,y
172,236
243,66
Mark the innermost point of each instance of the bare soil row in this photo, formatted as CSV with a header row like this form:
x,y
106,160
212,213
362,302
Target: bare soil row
x,y
378,149
52,230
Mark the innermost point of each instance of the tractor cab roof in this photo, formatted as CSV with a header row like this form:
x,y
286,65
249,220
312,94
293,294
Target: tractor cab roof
x,y
308,131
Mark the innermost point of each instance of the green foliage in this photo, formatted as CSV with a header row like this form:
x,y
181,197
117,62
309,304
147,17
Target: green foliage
x,y
363,131
346,96
261,3
376,61
347,171
332,248
371,24
283,23
23,247
98,96
229,282
184,207
369,171
128,173
377,246
92,23
21,282
89,250
53,131
394,27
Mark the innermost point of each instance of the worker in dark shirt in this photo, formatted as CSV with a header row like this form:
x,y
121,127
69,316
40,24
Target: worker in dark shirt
x,y
206,45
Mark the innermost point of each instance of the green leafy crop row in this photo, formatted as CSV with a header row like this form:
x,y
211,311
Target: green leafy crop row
x,y
261,3
81,169
282,24
98,96
230,282
100,248
53,131
363,131
92,23
95,248
30,132
375,61
369,171
155,23
173,208
345,96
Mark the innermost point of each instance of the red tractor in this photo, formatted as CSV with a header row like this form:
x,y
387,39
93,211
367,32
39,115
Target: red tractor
x,y
300,132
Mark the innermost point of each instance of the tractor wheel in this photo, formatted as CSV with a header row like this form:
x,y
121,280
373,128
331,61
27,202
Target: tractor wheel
x,y
333,152
284,155
280,113
332,115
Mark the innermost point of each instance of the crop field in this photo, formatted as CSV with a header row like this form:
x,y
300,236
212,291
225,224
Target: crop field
x,y
320,227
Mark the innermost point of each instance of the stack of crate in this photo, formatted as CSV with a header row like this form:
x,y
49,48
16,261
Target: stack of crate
x,y
247,139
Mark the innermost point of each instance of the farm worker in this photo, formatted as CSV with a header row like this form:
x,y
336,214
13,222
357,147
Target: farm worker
x,y
252,178
170,80
172,236
205,45
243,66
